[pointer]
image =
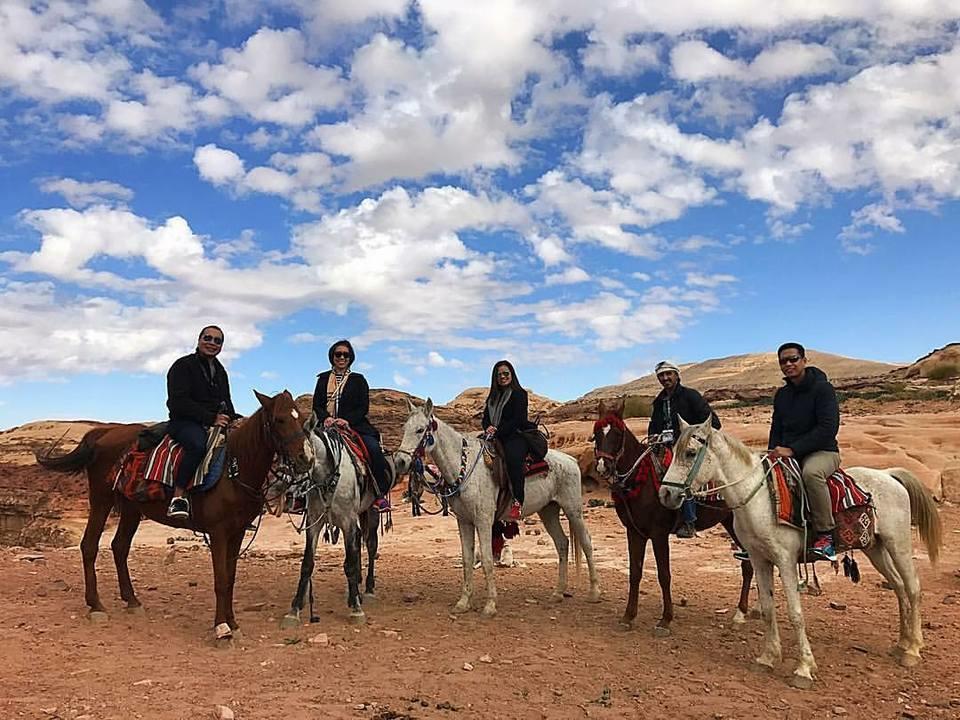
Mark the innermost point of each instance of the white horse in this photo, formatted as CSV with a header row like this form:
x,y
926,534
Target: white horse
x,y
337,499
706,460
475,502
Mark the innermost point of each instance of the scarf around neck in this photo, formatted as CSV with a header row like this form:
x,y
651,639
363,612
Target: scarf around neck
x,y
495,404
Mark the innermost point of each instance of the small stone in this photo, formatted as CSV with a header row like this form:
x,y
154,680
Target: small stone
x,y
222,712
683,602
170,557
950,600
486,659
721,611
145,682
255,607
411,597
191,583
30,557
360,706
468,667
170,540
391,634
837,605
530,601
839,710
320,639
929,625
541,541
59,585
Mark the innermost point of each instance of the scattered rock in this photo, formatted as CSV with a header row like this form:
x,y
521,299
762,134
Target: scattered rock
x,y
170,540
860,648
486,659
837,605
929,625
468,667
30,557
411,597
255,607
391,634
596,502
839,710
950,600
541,541
320,639
170,557
683,602
145,682
191,583
222,712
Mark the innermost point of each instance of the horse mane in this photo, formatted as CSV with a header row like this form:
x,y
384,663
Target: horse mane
x,y
612,420
244,443
738,449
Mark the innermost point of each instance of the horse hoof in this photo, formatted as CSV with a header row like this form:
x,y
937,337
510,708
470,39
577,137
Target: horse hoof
x,y
461,607
738,618
358,618
594,596
135,610
661,632
764,664
909,660
289,622
97,617
557,597
369,597
626,624
801,682
489,610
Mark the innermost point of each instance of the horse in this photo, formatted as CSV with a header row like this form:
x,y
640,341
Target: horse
x,y
628,466
337,497
707,461
223,512
473,491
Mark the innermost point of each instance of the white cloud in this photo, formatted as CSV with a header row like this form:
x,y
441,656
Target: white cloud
x,y
709,281
218,166
695,61
435,359
570,276
864,223
80,193
400,380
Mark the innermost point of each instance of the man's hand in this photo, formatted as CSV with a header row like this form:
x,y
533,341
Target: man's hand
x,y
222,420
491,430
328,423
342,423
782,452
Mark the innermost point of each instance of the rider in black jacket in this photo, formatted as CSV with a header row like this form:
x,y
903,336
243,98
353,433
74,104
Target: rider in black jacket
x,y
198,397
678,401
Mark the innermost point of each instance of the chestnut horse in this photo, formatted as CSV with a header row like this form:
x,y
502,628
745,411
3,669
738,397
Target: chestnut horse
x,y
621,459
223,512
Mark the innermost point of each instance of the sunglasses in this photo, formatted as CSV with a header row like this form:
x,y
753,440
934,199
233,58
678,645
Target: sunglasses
x,y
503,373
790,360
342,355
215,339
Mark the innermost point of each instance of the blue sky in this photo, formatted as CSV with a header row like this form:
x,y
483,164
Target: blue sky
x,y
585,188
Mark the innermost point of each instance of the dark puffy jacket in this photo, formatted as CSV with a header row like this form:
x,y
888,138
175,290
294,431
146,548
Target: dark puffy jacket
x,y
354,402
514,415
806,417
684,402
192,394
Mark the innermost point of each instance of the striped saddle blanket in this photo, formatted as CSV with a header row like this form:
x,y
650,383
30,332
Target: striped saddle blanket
x,y
147,475
852,506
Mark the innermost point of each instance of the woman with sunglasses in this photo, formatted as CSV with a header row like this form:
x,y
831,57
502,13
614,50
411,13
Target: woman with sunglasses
x,y
342,397
504,418
198,397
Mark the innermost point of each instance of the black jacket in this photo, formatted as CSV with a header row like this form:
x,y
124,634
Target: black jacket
x,y
192,394
514,415
684,402
354,402
806,417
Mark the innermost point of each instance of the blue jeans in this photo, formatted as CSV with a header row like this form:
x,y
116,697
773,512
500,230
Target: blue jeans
x,y
192,436
689,511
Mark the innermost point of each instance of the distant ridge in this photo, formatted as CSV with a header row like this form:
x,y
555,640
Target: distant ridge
x,y
757,370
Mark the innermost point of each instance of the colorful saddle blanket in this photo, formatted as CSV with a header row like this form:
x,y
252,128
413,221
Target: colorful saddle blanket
x,y
651,469
852,505
147,475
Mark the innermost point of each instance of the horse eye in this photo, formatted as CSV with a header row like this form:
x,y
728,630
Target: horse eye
x,y
420,431
691,453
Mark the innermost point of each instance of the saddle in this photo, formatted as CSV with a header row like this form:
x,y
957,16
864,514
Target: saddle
x,y
852,506
145,472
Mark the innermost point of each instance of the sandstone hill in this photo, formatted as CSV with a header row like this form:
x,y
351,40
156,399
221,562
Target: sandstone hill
x,y
943,363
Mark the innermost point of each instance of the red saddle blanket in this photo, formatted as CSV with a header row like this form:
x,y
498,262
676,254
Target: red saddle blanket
x,y
851,504
534,467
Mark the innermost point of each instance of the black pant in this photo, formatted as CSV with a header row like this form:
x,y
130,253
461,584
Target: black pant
x,y
192,436
378,463
515,451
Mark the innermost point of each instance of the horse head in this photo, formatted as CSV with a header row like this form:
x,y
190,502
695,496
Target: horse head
x,y
694,464
283,425
609,438
417,435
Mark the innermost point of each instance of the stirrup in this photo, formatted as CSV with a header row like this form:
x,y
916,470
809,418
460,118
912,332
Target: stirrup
x,y
179,508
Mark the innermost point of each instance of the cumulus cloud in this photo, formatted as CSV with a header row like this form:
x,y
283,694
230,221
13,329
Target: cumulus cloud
x,y
695,61
570,276
81,194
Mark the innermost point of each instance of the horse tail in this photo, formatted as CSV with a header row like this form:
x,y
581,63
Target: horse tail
x,y
77,460
577,550
923,512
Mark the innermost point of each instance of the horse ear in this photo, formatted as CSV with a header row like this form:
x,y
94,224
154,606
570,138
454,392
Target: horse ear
x,y
311,424
288,394
428,408
617,407
683,423
601,410
265,400
410,406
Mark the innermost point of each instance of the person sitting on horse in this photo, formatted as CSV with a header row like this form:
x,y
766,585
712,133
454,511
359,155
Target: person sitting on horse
x,y
504,418
805,423
678,401
198,397
342,398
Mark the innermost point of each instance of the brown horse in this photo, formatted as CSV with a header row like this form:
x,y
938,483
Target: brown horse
x,y
223,512
623,462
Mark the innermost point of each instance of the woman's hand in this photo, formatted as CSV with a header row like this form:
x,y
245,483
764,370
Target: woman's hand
x,y
491,430
342,423
328,422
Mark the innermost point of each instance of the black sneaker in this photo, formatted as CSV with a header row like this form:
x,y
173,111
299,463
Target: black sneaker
x,y
179,508
687,530
823,547
741,555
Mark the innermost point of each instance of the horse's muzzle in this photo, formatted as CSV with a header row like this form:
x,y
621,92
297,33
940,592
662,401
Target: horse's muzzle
x,y
671,498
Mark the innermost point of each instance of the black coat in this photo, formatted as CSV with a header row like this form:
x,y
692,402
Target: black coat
x,y
684,403
514,415
192,394
354,402
806,417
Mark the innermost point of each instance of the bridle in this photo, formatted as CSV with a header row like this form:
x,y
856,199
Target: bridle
x,y
623,479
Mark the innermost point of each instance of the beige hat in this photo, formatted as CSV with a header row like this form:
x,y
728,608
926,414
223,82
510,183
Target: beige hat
x,y
665,366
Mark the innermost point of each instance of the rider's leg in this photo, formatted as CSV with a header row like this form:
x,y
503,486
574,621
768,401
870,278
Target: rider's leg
x,y
817,467
192,437
378,464
515,450
688,511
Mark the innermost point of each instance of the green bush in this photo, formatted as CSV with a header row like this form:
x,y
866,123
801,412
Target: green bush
x,y
637,406
943,372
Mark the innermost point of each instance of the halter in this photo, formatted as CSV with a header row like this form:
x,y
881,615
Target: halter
x,y
692,474
623,479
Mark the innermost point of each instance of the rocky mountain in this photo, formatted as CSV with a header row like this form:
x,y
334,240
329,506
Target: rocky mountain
x,y
942,364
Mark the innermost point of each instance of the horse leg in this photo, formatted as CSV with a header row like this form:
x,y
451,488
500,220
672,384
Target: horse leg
x,y
468,535
486,561
550,516
307,564
746,577
803,674
233,554
636,550
900,557
219,549
351,568
578,528
372,521
772,652
661,551
122,539
100,505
